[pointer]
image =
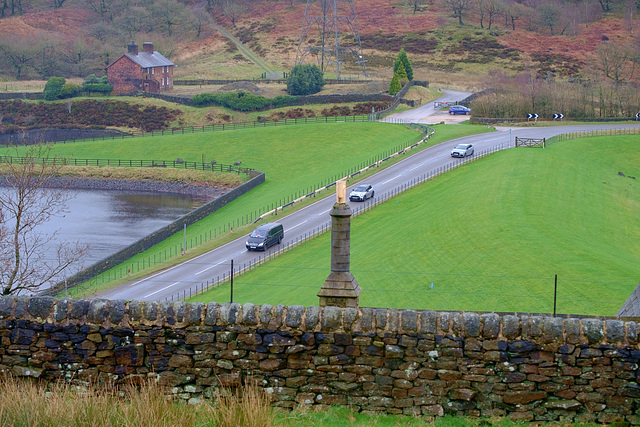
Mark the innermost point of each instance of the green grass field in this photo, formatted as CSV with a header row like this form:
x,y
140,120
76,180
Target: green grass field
x,y
296,159
489,236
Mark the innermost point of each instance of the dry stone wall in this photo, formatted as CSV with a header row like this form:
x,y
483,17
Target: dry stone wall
x,y
525,367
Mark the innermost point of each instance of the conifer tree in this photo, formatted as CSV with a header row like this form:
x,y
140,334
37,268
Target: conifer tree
x,y
402,75
394,86
404,60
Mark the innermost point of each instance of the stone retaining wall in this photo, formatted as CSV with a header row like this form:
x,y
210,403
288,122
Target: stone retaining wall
x,y
525,367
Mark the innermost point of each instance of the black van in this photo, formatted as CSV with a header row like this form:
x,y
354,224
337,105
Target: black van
x,y
266,235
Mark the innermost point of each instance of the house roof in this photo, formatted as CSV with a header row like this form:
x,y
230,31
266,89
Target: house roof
x,y
148,60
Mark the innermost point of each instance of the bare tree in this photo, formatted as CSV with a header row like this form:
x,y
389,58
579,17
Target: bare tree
x,y
489,9
19,53
616,61
459,7
233,9
170,14
30,259
415,4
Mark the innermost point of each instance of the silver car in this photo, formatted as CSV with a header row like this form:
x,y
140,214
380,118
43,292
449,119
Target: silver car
x,y
462,150
361,193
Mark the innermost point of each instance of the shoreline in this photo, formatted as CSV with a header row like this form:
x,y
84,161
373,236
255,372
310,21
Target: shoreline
x,y
198,191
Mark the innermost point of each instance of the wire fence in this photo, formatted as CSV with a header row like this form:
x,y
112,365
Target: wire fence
x,y
586,134
176,164
166,256
357,210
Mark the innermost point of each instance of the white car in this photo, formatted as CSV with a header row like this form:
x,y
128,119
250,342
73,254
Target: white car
x,y
462,150
361,193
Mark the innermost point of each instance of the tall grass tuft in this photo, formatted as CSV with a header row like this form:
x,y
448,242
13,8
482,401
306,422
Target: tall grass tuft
x,y
248,406
25,402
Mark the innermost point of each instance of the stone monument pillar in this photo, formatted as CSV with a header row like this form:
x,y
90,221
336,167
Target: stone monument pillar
x,y
340,289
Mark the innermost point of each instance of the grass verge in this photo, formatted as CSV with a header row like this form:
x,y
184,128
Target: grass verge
x,y
489,236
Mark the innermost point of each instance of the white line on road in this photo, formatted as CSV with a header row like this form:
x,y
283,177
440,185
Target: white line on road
x,y
324,212
419,166
209,268
297,225
160,290
389,180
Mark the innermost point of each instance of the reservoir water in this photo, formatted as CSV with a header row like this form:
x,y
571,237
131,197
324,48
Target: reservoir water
x,y
110,220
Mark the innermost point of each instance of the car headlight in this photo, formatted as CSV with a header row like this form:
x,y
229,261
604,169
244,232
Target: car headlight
x,y
261,244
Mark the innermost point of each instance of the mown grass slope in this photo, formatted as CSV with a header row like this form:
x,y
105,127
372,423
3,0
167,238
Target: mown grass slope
x,y
295,158
489,236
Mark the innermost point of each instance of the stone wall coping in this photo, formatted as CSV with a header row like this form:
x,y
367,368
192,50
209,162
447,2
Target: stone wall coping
x,y
539,328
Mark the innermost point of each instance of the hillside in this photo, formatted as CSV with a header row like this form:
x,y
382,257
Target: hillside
x,y
79,38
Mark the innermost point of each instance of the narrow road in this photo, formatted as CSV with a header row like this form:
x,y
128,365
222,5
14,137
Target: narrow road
x,y
424,113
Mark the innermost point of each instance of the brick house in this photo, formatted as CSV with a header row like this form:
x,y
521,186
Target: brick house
x,y
147,71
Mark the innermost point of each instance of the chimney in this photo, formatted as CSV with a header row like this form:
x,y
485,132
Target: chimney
x,y
133,48
147,47
340,289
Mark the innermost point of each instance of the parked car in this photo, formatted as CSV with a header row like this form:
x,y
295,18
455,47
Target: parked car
x,y
462,150
361,193
459,109
266,235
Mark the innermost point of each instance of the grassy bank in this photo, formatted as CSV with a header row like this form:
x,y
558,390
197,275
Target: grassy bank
x,y
489,236
296,160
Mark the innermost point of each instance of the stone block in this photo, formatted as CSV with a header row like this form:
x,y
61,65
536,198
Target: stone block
x,y
331,318
229,313
572,328
265,314
312,318
523,397
553,329
380,318
180,361
78,308
294,316
428,322
490,325
593,330
23,371
130,355
464,394
6,305
211,314
471,324
151,310
194,313
511,327
409,320
116,310
97,311
40,307
615,331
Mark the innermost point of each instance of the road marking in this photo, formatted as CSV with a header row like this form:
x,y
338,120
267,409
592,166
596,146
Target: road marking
x,y
389,180
324,212
297,225
209,268
160,290
419,166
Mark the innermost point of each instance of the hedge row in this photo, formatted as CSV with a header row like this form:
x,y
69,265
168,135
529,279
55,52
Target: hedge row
x,y
19,114
243,101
